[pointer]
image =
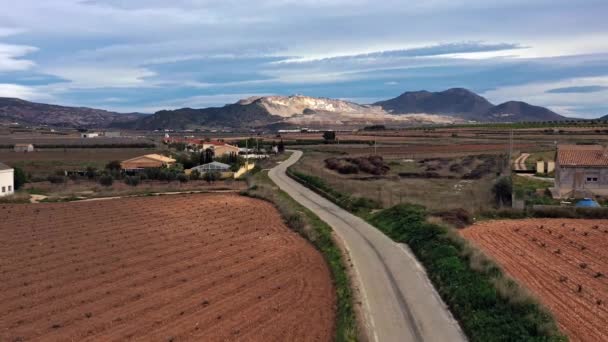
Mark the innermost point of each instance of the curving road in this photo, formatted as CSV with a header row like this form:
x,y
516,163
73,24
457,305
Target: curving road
x,y
400,303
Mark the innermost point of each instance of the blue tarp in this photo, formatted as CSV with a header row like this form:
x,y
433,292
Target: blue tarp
x,y
587,203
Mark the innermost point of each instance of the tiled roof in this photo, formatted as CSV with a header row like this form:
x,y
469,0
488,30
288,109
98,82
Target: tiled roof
x,y
5,167
582,155
160,158
156,157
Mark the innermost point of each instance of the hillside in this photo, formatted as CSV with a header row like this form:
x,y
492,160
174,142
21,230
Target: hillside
x,y
281,111
30,113
519,111
234,116
455,105
456,101
467,105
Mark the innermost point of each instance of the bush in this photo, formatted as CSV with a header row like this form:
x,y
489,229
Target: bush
x,y
106,180
56,179
91,172
20,178
132,180
459,217
195,175
182,178
503,189
114,165
211,177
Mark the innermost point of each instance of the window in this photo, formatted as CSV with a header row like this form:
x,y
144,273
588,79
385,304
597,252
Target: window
x,y
3,189
591,179
10,188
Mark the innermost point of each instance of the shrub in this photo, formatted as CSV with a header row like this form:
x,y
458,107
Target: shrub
x,y
347,169
106,180
211,177
20,178
459,217
182,178
91,172
195,175
56,179
132,180
503,189
114,165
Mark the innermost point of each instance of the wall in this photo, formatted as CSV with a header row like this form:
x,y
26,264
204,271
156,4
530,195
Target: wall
x,y
569,179
6,180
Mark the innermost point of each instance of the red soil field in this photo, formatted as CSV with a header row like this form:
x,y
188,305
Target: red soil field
x,y
169,268
563,262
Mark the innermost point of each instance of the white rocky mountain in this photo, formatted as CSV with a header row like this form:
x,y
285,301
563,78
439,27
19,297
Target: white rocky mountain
x,y
306,110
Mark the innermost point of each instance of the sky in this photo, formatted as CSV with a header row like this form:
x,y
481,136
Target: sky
x,y
148,55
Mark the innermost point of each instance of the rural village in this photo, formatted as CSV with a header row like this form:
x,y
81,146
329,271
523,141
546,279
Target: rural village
x,y
533,202
303,171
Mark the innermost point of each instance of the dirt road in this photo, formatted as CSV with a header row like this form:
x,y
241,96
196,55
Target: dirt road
x,y
399,302
520,162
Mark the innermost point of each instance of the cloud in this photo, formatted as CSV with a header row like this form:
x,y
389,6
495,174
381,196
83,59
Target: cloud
x,y
579,89
576,104
151,53
462,48
23,92
10,57
105,77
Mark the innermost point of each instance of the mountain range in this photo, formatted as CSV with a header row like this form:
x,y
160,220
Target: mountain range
x,y
30,113
455,105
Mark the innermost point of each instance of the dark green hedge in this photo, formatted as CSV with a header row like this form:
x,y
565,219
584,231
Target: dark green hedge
x,y
484,313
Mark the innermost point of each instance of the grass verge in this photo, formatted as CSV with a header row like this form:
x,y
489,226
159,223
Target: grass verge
x,y
488,305
346,201
319,234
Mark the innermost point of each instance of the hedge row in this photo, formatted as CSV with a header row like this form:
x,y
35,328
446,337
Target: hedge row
x,y
484,312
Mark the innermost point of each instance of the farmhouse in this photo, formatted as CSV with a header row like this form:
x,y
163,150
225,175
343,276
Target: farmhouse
x,y
89,135
146,162
6,180
24,148
581,171
220,148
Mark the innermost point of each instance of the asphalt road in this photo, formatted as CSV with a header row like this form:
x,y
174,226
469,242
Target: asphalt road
x,y
399,301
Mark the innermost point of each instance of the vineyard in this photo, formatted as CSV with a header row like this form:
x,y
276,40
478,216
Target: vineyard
x,y
172,268
563,262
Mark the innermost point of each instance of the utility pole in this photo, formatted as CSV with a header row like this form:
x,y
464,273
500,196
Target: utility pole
x,y
247,152
510,153
375,147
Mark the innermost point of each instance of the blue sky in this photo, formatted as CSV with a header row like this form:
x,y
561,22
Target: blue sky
x,y
147,55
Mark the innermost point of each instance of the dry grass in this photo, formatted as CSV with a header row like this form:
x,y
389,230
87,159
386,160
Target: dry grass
x,y
435,194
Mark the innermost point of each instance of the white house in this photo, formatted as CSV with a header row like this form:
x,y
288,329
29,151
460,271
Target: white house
x,y
7,186
89,135
24,148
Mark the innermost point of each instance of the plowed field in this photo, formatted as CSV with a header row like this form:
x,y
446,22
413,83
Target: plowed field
x,y
563,262
169,268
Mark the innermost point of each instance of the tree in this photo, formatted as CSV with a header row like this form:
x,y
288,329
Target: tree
x,y
114,165
329,136
207,156
281,146
211,176
502,189
20,178
106,180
